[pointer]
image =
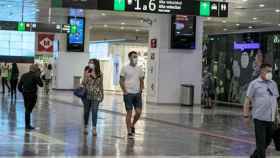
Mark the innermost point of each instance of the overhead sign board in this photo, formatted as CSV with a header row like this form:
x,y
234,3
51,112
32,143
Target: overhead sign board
x,y
79,4
34,27
185,7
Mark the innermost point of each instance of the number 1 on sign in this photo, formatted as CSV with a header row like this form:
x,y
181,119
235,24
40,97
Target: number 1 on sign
x,y
137,5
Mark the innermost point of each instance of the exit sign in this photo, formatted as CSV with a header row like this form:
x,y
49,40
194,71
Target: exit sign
x,y
204,8
119,5
21,26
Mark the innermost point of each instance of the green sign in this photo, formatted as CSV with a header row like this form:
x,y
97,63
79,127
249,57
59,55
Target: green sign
x,y
21,26
56,3
204,8
119,5
73,29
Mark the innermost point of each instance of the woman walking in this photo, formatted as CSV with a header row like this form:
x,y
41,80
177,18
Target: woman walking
x,y
14,80
93,83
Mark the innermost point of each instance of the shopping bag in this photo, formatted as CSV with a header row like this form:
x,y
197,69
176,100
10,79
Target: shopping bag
x,y
80,92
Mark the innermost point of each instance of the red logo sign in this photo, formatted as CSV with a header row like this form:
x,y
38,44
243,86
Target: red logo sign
x,y
153,43
45,42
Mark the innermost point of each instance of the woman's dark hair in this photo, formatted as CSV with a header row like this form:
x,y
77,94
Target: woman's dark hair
x,y
97,67
49,66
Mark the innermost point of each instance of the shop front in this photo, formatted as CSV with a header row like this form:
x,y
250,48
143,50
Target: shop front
x,y
235,59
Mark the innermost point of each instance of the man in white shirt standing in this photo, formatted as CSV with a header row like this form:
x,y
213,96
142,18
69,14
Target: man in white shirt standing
x,y
132,84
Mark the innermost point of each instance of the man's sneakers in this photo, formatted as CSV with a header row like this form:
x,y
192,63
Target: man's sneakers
x,y
130,136
133,130
30,128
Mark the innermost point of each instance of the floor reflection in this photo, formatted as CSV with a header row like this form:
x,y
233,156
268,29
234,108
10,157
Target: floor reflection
x,y
163,130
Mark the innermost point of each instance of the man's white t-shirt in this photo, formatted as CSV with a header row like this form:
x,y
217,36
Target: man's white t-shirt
x,y
132,76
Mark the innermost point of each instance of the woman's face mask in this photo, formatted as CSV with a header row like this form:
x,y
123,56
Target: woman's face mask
x,y
91,65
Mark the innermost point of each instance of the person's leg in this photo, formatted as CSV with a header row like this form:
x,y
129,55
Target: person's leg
x,y
137,102
260,133
3,84
12,88
95,107
87,107
129,107
15,88
6,83
269,134
27,110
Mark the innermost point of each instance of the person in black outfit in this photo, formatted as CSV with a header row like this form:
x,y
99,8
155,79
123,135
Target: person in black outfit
x,y
14,80
28,86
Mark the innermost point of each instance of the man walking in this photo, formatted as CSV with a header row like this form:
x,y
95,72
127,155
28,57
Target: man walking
x,y
28,86
262,94
132,84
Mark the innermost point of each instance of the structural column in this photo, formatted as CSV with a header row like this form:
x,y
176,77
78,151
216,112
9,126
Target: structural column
x,y
169,68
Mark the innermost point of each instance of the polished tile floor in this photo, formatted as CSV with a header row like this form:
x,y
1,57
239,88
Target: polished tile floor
x,y
163,131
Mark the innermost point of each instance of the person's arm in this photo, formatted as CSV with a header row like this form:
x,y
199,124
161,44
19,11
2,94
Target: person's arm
x,y
246,107
39,82
20,85
248,100
142,78
101,87
122,82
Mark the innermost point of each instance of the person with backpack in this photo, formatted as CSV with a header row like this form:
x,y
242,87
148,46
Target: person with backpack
x,y
93,83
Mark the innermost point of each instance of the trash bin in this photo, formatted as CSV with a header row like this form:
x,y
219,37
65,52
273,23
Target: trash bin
x,y
187,94
76,82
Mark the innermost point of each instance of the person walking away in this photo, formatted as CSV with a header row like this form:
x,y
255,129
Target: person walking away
x,y
5,75
28,86
47,77
93,82
132,84
210,92
14,80
262,95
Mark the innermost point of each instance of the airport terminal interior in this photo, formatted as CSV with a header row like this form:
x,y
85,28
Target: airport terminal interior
x,y
190,62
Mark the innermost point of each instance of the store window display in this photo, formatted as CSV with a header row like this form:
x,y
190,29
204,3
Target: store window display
x,y
116,57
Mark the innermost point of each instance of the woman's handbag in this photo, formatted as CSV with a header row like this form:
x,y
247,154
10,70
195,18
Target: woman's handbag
x,y
80,92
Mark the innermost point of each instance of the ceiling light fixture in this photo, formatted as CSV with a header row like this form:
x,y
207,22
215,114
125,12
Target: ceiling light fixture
x,y
225,29
9,6
122,28
244,0
278,24
261,5
255,18
209,18
103,14
224,21
137,30
277,10
250,27
237,24
105,25
123,23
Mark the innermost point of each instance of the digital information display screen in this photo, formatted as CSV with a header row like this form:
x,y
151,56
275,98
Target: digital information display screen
x,y
75,41
99,51
17,46
183,32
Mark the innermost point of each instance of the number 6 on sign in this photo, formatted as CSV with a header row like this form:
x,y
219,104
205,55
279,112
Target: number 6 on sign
x,y
152,5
